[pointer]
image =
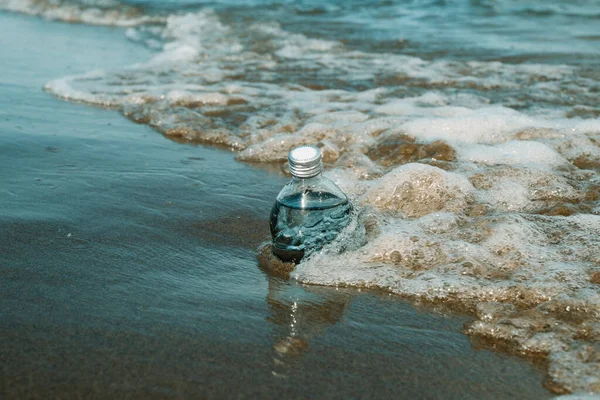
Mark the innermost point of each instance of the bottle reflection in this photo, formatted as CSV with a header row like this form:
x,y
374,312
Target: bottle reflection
x,y
298,314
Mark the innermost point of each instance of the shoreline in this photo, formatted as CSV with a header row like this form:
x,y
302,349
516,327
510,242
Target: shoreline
x,y
91,197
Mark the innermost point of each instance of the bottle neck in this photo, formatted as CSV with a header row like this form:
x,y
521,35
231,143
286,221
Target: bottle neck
x,y
307,181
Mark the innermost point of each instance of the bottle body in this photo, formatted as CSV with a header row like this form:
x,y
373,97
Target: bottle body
x,y
307,214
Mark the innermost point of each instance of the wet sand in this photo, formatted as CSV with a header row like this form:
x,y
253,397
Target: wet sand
x,y
128,266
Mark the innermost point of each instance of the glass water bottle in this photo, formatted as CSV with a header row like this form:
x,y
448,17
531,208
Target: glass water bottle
x,y
310,210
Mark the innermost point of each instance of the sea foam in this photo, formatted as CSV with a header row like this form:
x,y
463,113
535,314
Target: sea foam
x,y
93,12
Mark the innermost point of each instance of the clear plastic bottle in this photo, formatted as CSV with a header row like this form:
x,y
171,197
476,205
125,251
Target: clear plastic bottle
x,y
310,210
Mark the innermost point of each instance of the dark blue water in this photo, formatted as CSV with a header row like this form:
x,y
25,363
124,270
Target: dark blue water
x,y
516,31
305,222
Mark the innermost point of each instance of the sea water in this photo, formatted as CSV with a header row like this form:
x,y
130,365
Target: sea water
x,y
468,132
305,222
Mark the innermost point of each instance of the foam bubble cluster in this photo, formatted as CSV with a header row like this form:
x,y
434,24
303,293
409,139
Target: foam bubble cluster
x,y
478,181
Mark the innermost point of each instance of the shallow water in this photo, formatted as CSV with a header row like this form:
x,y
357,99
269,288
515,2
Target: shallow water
x,y
467,132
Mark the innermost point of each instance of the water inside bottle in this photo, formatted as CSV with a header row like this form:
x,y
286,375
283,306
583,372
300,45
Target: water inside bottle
x,y
306,221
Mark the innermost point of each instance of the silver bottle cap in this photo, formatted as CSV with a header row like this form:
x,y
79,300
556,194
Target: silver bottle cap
x,y
305,161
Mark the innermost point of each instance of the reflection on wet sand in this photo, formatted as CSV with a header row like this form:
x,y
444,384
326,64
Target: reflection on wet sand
x,y
299,313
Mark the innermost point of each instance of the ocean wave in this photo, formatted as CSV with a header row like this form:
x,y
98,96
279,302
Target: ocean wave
x,y
92,12
479,180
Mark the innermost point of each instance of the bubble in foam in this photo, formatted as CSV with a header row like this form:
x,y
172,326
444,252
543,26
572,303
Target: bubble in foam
x,y
582,150
395,148
514,153
417,189
524,189
361,166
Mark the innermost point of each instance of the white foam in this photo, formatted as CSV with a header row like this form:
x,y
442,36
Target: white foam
x,y
206,98
487,125
417,189
93,12
62,88
524,189
514,153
